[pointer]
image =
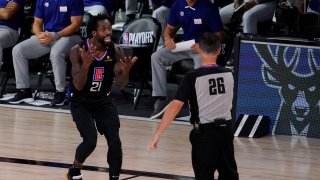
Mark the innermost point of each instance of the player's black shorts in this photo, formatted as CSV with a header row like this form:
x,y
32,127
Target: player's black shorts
x,y
100,110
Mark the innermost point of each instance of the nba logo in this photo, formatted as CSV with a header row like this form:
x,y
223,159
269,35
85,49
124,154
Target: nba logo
x,y
98,74
125,38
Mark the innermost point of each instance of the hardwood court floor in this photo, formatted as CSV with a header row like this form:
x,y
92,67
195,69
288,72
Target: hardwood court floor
x,y
37,145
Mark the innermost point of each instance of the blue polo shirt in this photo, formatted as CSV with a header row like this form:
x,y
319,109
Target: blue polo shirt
x,y
93,2
202,17
16,21
166,3
57,14
108,4
314,5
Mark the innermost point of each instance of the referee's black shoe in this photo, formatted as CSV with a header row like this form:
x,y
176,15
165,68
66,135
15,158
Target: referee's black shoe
x,y
159,108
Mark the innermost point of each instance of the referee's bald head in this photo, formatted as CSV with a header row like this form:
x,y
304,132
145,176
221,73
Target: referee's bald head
x,y
209,43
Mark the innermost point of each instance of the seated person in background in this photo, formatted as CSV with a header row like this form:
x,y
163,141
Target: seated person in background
x,y
95,7
131,9
254,11
161,11
56,27
195,17
11,15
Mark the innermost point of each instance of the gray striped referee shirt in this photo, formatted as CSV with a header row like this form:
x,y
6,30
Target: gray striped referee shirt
x,y
209,91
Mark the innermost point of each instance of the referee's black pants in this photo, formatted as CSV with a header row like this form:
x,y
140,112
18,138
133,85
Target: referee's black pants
x,y
212,149
97,114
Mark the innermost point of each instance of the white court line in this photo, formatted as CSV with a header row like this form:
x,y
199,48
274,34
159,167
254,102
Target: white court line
x,y
68,112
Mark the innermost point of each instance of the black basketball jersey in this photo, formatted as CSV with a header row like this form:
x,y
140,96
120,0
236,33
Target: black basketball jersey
x,y
100,74
209,91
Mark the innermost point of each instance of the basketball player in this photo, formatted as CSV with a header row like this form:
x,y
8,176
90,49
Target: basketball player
x,y
95,64
209,92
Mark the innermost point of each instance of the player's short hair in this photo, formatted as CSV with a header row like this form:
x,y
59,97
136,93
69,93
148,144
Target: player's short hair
x,y
93,23
209,43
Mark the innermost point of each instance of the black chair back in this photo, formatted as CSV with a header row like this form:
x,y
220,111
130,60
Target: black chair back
x,y
140,37
178,70
143,31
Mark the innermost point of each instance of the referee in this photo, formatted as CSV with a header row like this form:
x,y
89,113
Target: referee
x,y
209,91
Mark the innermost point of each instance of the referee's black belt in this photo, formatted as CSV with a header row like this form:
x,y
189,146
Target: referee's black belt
x,y
217,123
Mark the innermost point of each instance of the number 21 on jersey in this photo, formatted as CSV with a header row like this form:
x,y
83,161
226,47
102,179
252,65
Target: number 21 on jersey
x,y
95,86
97,80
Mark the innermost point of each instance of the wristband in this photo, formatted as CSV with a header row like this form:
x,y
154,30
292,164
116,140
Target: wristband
x,y
56,35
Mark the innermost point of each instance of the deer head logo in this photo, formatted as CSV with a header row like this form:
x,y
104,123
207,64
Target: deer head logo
x,y
299,112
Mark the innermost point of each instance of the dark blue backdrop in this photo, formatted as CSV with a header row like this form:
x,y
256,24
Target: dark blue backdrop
x,y
254,95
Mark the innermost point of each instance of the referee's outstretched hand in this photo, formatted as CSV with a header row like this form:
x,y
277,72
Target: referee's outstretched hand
x,y
154,142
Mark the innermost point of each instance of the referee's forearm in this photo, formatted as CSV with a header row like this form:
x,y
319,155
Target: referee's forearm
x,y
171,112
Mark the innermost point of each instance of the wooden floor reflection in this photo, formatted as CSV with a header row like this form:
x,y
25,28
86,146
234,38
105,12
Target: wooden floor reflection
x,y
37,145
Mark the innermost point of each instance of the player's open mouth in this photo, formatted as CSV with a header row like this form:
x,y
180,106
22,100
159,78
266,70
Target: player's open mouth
x,y
107,39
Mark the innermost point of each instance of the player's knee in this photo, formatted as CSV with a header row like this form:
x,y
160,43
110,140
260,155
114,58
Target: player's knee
x,y
91,142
